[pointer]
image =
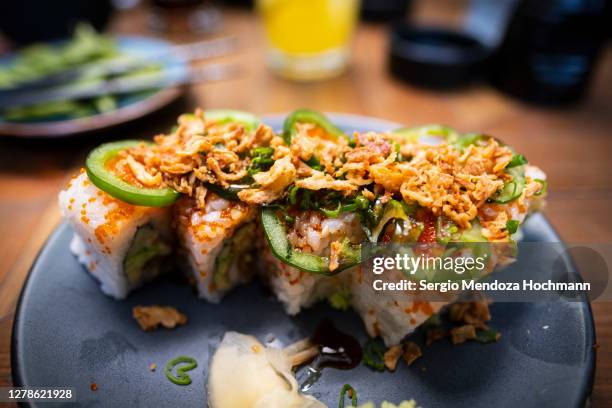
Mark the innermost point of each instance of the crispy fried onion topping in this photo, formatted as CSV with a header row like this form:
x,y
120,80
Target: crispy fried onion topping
x,y
320,181
198,152
272,183
448,181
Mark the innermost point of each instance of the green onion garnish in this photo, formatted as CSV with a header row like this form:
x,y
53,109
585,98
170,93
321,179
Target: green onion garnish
x,y
181,378
261,160
351,393
314,163
487,336
361,202
374,355
517,160
544,188
307,201
512,226
293,190
332,213
262,151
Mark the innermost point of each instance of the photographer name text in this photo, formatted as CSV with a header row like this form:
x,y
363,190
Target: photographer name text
x,y
464,285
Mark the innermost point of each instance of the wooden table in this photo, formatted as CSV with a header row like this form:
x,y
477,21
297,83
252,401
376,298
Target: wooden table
x,y
573,146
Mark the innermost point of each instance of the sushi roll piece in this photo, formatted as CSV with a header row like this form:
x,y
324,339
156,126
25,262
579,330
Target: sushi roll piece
x,y
394,314
121,245
305,247
311,233
391,315
217,240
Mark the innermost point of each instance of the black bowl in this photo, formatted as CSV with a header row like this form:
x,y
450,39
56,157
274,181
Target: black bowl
x,y
434,57
29,21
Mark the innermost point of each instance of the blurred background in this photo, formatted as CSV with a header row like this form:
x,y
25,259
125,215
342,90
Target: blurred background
x,y
543,52
75,73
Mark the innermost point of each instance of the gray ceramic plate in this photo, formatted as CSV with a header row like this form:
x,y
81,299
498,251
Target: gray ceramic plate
x,y
67,333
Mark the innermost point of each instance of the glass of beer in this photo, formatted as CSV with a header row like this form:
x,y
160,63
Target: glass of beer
x,y
308,39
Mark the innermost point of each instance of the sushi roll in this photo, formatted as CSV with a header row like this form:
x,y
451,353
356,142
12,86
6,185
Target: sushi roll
x,y
216,242
307,205
121,245
420,186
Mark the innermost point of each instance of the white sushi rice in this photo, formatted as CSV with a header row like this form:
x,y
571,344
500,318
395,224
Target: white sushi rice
x,y
203,232
294,288
104,229
389,314
312,233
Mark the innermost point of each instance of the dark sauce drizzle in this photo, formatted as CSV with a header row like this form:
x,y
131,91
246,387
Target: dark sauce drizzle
x,y
338,350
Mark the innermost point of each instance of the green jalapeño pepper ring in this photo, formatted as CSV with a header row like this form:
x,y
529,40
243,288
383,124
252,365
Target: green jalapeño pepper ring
x,y
107,181
248,120
276,235
313,117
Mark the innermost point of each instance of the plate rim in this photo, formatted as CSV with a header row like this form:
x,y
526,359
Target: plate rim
x,y
585,306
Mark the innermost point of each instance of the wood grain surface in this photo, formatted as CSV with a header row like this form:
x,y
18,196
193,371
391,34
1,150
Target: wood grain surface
x,y
573,146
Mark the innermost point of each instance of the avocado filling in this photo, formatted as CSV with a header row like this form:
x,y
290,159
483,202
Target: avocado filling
x,y
234,249
146,249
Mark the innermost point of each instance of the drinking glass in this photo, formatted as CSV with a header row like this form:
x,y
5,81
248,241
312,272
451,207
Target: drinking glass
x,y
308,39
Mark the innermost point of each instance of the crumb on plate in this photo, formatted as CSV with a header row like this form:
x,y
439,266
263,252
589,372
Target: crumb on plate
x,y
151,317
434,334
463,333
473,313
411,352
392,356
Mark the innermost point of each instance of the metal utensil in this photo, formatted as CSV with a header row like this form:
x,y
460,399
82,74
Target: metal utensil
x,y
125,63
155,80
